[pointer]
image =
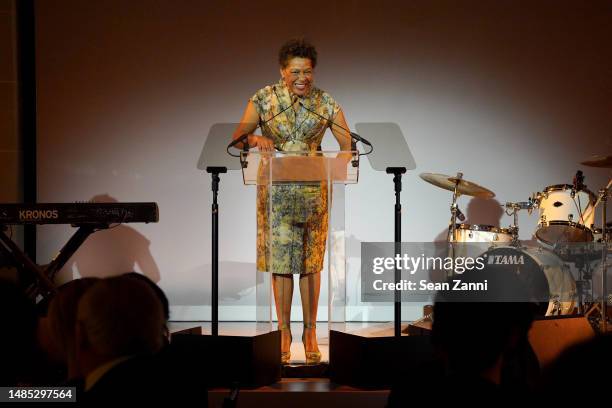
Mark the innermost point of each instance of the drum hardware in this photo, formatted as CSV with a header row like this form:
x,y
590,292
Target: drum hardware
x,y
564,234
598,233
580,254
584,284
454,209
458,185
595,307
556,306
450,238
603,198
603,194
599,306
514,209
514,213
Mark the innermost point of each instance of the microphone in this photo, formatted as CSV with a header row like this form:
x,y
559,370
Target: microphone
x,y
460,215
353,135
578,181
239,140
358,138
245,147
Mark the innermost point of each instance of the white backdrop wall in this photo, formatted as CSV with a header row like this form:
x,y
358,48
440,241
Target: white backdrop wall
x,y
513,94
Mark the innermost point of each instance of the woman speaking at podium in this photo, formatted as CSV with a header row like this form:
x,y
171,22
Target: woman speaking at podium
x,y
293,116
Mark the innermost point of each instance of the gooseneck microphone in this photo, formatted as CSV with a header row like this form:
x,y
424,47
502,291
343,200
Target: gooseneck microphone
x,y
244,138
355,136
238,140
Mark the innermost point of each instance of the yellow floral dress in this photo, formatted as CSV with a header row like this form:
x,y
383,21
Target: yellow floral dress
x,y
291,235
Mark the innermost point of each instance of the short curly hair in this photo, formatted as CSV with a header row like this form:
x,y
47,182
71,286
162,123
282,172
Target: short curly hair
x,y
297,47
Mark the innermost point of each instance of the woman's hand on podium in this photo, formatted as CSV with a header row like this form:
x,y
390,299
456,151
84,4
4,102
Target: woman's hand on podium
x,y
262,143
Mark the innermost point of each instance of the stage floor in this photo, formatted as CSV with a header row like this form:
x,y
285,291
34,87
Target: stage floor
x,y
302,392
366,329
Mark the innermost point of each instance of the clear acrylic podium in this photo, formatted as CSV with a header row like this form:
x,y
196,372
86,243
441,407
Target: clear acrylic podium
x,y
318,179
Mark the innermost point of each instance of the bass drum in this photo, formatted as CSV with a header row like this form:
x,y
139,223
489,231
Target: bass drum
x,y
532,274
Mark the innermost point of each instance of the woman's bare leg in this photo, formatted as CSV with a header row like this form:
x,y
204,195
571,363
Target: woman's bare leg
x,y
283,294
310,286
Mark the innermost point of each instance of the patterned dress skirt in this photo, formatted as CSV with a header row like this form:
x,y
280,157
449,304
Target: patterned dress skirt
x,y
291,235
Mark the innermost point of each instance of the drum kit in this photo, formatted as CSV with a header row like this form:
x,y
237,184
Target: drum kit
x,y
567,236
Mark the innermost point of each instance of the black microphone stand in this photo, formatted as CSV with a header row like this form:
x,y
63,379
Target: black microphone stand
x,y
397,181
215,180
214,172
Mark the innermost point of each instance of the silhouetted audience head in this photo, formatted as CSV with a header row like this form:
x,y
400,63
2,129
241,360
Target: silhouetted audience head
x,y
18,340
580,373
57,329
118,317
160,294
482,355
472,337
473,329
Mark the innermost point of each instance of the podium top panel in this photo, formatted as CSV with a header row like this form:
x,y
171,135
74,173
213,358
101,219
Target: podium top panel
x,y
261,168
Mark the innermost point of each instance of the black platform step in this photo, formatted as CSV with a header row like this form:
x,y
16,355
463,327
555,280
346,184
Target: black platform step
x,y
305,371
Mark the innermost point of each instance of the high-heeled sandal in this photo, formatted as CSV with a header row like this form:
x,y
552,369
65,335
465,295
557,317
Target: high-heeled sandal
x,y
286,355
312,357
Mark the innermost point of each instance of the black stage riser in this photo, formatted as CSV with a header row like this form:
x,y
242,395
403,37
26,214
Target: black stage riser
x,y
375,361
550,336
250,361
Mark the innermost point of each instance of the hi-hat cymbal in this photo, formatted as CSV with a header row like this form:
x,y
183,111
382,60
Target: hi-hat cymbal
x,y
464,187
598,161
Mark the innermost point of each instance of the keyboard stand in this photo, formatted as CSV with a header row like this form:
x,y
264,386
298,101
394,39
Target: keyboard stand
x,y
44,286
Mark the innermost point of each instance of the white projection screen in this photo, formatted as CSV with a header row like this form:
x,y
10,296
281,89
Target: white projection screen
x,y
512,94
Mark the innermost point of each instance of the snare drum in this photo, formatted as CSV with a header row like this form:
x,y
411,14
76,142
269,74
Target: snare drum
x,y
565,214
481,233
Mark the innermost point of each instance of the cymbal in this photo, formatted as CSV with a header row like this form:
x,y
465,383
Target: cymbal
x,y
598,161
464,187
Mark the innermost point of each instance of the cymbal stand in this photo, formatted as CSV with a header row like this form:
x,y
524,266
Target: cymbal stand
x,y
451,238
514,228
603,196
453,209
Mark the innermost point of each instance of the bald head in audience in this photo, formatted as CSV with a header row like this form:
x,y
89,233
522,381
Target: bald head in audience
x,y
117,318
